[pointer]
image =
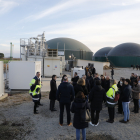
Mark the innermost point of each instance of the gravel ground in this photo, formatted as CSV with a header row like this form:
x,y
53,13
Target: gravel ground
x,y
18,110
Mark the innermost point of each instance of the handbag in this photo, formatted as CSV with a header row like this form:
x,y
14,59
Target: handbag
x,y
85,114
117,95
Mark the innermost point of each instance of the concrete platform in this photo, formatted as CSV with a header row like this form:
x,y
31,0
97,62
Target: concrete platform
x,y
4,96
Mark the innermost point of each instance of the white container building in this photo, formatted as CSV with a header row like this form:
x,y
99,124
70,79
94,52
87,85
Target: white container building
x,y
1,79
21,73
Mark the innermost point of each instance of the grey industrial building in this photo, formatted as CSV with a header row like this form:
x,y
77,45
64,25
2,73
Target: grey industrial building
x,y
125,55
70,46
101,55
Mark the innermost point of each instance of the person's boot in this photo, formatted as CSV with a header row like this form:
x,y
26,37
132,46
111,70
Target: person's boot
x,y
54,109
40,104
70,124
35,112
122,121
110,121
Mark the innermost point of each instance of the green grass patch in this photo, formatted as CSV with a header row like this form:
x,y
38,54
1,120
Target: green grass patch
x,y
5,61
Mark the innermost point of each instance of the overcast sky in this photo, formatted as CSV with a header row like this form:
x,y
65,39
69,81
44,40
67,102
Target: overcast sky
x,y
95,23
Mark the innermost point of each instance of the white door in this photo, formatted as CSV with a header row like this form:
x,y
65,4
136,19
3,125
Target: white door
x,y
48,67
56,67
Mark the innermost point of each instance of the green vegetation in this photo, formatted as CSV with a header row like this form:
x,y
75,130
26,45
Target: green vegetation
x,y
1,55
5,61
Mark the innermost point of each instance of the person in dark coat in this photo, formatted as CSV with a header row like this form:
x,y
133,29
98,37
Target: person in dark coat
x,y
137,67
63,78
120,86
103,81
132,79
136,96
75,79
107,84
96,79
90,80
125,101
81,87
87,83
65,95
86,70
78,104
93,70
52,95
96,97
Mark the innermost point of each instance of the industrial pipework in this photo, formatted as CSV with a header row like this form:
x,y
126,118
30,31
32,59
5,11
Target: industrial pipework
x,y
34,46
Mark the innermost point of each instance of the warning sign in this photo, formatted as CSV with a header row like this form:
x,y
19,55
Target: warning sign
x,y
48,65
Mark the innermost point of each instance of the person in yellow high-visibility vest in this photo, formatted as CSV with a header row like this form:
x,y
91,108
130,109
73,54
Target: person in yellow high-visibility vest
x,y
33,82
110,101
35,89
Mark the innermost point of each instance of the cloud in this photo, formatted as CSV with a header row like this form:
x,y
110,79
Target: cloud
x,y
55,9
5,45
108,29
6,6
125,2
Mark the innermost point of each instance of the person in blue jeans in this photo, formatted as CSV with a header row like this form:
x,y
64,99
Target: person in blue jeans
x,y
126,100
78,104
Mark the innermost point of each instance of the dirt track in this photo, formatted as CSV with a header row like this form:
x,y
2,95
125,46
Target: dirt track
x,y
19,122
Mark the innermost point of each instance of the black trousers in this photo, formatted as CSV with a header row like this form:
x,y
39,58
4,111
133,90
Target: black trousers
x,y
67,105
120,108
95,118
39,98
112,76
35,106
52,104
111,112
136,105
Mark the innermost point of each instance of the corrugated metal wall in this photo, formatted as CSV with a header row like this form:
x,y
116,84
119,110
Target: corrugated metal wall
x,y
100,59
124,61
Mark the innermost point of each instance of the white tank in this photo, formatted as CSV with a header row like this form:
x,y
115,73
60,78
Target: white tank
x,y
1,79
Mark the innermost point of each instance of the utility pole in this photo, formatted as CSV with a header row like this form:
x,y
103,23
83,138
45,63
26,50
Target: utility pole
x,y
11,51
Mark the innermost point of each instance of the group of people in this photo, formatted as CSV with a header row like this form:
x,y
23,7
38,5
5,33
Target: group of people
x,y
90,69
89,92
135,66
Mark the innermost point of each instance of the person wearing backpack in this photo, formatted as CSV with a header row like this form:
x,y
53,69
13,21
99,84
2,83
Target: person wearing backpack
x,y
78,104
110,101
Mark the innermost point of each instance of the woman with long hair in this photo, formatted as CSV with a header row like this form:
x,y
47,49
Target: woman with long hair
x,y
81,86
78,104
